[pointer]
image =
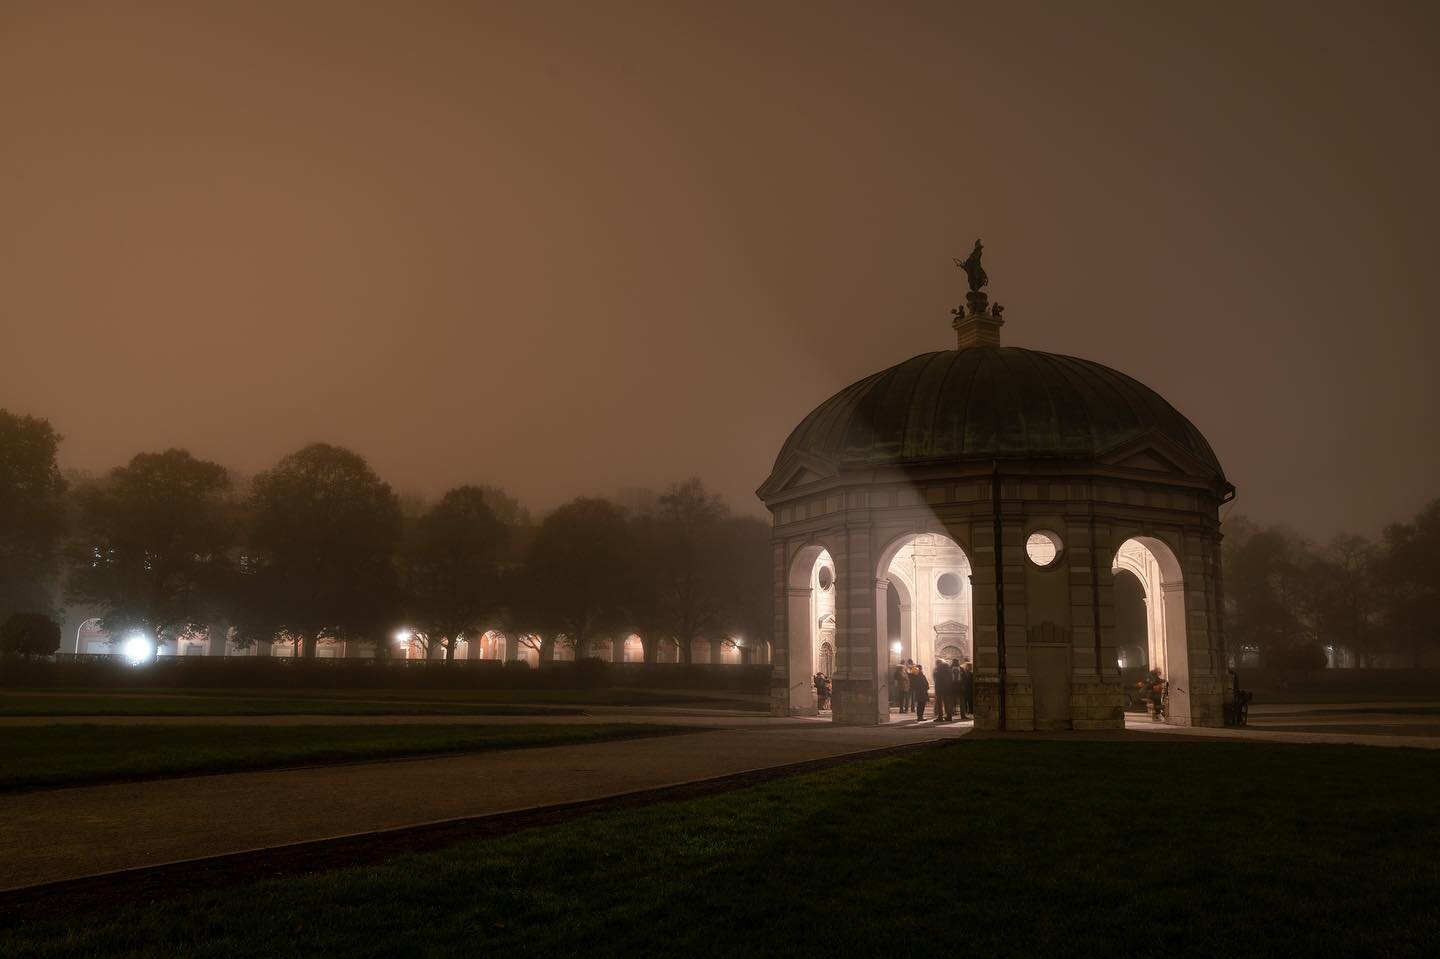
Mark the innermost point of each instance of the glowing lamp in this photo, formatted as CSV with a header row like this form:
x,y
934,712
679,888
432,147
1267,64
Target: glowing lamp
x,y
138,648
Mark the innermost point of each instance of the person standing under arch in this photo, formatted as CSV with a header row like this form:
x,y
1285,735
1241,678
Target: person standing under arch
x,y
944,692
967,691
920,691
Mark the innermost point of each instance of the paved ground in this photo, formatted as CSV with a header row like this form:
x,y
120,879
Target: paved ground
x,y
1365,724
592,714
57,834
67,833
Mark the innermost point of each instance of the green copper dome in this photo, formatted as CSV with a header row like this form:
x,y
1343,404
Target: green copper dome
x,y
988,403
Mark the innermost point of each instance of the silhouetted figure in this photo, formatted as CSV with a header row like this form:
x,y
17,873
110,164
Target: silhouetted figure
x,y
967,690
920,690
957,692
944,681
822,691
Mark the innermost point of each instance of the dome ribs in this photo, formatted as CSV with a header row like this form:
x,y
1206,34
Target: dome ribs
x,y
985,403
926,435
873,429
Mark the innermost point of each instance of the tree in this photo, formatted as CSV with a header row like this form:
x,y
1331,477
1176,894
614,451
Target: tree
x,y
1264,594
29,634
506,508
1410,570
451,566
575,580
31,511
747,599
320,554
1342,597
679,586
151,549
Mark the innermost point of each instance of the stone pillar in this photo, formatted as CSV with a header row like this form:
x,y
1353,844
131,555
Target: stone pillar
x,y
1019,692
986,646
798,690
859,700
1097,700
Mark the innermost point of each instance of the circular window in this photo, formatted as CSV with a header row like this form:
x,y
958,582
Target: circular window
x,y
1043,547
948,585
826,577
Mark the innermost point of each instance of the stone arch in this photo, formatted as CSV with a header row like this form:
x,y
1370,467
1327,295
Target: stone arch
x,y
803,610
492,644
923,611
90,637
1152,561
632,650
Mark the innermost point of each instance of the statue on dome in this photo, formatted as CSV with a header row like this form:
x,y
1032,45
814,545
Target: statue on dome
x,y
973,270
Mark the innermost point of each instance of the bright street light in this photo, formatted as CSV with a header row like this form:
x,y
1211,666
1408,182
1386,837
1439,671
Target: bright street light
x,y
138,648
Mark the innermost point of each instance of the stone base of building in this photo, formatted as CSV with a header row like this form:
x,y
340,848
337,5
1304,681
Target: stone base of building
x,y
1207,703
855,702
1097,705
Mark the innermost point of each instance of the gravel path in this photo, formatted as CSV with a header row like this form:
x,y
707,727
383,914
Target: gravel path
x,y
52,835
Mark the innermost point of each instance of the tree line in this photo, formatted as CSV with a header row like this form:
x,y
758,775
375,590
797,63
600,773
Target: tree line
x,y
1292,603
320,548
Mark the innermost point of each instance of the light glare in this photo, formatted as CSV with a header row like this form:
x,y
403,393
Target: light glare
x,y
138,648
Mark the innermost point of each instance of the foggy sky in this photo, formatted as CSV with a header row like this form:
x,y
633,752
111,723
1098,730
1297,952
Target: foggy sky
x,y
570,248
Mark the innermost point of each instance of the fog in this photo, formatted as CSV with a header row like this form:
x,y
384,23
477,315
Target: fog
x,y
579,248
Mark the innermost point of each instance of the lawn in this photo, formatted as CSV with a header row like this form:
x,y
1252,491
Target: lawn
x,y
344,702
990,848
32,756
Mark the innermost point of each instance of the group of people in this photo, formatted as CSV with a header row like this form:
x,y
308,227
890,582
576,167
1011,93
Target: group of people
x,y
954,687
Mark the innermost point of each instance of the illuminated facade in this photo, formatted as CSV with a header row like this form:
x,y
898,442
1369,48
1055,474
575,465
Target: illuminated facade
x,y
91,640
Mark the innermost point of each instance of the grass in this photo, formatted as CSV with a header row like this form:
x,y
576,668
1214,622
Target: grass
x,y
990,848
74,754
342,702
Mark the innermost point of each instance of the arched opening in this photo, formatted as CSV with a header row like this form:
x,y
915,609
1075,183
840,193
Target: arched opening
x,y
667,650
1132,630
924,613
90,638
563,650
633,650
490,645
602,649
810,627
1153,564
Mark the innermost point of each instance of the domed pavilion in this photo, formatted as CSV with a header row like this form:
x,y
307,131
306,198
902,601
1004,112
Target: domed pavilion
x,y
1045,517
